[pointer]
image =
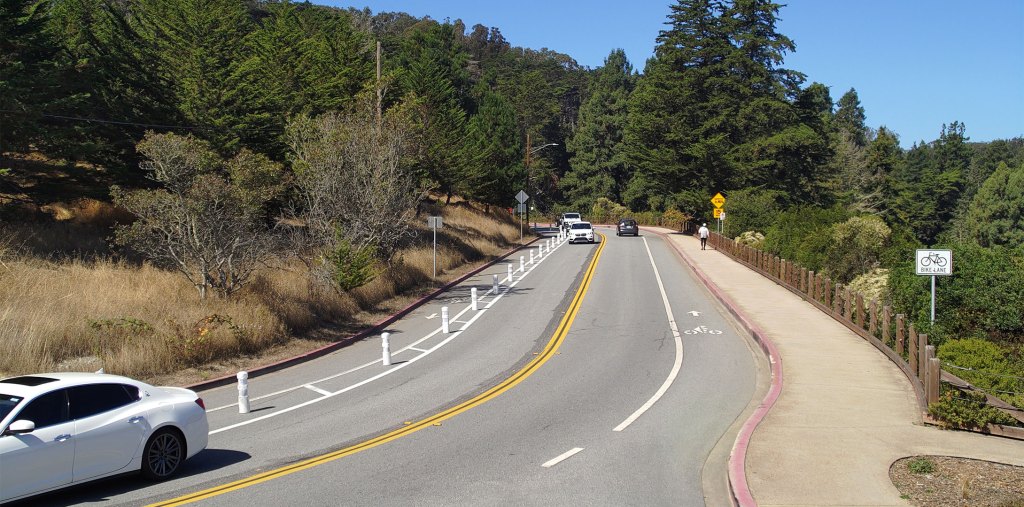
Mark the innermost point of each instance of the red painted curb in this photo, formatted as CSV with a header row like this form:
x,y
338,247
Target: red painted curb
x,y
741,494
326,349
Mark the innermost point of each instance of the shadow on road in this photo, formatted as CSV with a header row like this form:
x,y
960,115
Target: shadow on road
x,y
103,490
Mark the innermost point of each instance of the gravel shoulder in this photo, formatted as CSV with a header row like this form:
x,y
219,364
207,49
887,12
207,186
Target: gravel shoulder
x,y
945,481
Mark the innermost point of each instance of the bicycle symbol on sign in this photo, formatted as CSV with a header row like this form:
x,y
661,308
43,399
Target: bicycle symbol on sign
x,y
702,330
933,258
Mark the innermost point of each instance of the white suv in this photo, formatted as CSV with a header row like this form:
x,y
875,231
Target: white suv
x,y
581,232
568,219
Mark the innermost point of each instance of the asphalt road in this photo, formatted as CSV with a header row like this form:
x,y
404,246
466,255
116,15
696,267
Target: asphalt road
x,y
569,387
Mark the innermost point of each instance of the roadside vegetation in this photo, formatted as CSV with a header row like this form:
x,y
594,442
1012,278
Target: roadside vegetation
x,y
135,318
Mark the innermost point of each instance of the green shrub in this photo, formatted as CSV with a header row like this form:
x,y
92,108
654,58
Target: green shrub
x,y
350,266
674,219
990,367
751,209
803,234
856,247
967,410
921,466
871,284
750,238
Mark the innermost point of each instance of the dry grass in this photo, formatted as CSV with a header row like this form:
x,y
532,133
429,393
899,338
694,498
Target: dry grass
x,y
145,322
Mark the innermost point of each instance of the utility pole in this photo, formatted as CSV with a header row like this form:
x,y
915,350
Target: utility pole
x,y
528,191
379,92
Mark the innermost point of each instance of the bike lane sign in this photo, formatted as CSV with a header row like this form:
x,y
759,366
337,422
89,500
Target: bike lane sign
x,y
934,262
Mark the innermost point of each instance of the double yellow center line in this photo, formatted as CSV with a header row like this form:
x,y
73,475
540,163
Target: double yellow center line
x,y
549,350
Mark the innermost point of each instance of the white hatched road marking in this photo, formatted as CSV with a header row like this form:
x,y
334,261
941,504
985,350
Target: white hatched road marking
x,y
455,333
562,457
316,389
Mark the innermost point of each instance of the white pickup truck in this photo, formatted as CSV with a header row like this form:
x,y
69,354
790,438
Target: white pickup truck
x,y
567,219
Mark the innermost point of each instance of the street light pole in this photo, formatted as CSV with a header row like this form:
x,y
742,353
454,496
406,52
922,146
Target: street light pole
x,y
529,152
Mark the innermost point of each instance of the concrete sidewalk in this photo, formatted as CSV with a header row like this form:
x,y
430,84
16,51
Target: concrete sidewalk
x,y
845,412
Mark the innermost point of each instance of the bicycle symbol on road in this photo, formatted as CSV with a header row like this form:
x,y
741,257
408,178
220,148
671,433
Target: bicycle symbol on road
x,y
702,330
935,258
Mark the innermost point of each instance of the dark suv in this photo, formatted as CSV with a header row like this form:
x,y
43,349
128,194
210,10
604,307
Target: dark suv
x,y
627,226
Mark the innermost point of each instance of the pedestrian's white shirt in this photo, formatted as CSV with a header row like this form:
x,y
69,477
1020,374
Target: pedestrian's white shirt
x,y
703,231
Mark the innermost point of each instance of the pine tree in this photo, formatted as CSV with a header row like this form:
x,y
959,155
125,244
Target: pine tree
x,y
598,167
996,214
850,117
714,109
27,72
493,152
301,60
200,50
432,74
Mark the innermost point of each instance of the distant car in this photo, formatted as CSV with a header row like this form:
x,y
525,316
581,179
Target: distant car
x,y
568,219
627,226
59,429
581,232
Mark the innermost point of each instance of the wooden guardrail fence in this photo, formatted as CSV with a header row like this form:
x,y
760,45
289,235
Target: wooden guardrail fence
x,y
890,333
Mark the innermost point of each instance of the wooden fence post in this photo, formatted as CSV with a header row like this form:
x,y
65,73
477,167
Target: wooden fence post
x,y
912,349
934,377
848,304
900,336
860,311
837,300
873,320
886,322
812,287
922,358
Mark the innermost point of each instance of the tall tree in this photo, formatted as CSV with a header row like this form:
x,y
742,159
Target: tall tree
x,y
996,214
200,49
28,64
432,73
493,152
714,109
850,118
302,59
598,165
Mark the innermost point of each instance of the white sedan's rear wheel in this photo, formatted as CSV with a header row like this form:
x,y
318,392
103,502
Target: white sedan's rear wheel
x,y
164,454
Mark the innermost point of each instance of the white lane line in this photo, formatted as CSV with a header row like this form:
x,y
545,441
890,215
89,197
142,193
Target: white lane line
x,y
453,335
316,389
679,350
416,349
564,456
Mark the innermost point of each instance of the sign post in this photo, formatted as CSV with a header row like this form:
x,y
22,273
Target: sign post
x,y
933,263
718,200
521,197
434,223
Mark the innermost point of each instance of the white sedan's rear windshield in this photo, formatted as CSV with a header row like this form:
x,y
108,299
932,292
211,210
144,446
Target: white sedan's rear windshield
x,y
581,225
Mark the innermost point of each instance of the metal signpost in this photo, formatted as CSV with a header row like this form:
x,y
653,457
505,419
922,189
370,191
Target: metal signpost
x,y
718,200
434,223
933,263
521,197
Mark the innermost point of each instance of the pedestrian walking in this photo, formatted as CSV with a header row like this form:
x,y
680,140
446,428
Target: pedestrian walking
x,y
703,233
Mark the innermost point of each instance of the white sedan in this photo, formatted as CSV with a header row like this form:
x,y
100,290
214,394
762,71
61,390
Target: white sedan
x,y
581,232
58,429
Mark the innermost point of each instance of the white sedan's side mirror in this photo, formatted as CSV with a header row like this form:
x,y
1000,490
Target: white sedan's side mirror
x,y
20,426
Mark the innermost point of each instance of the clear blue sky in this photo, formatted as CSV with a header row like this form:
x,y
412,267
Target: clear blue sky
x,y
915,64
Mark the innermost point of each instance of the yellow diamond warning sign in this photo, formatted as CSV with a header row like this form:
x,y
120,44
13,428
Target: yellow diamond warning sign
x,y
718,200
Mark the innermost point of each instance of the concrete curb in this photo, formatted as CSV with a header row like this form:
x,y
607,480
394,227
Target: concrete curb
x,y
331,347
741,494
